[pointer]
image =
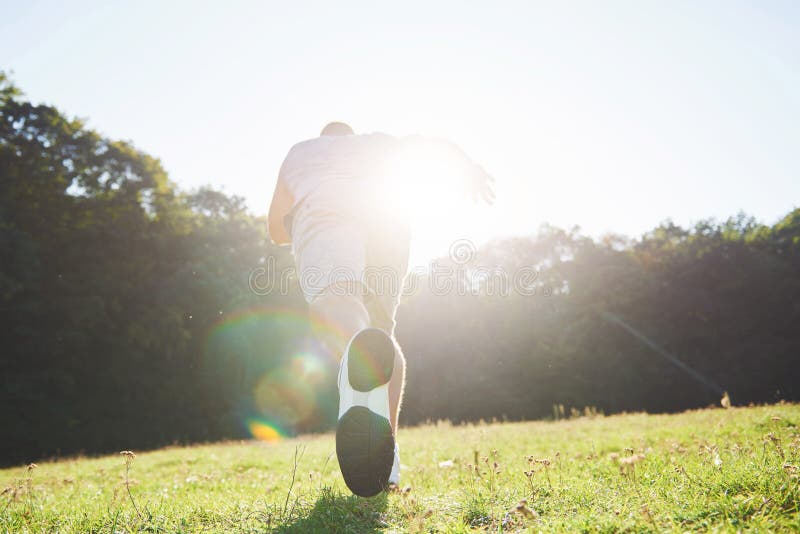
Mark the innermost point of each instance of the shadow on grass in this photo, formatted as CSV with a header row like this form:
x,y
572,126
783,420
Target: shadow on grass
x,y
334,512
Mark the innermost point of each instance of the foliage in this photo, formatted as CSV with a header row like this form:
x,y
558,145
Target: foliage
x,y
720,298
110,282
129,320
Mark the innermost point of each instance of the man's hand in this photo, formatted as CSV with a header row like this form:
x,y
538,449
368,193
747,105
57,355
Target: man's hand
x,y
481,185
447,161
282,202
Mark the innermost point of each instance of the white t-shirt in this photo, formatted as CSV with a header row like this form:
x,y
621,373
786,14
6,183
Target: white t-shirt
x,y
339,224
337,172
343,216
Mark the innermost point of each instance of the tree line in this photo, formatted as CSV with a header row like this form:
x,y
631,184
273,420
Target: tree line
x,y
130,319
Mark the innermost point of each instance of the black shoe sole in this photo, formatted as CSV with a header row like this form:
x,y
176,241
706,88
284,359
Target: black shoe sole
x,y
365,449
370,360
364,439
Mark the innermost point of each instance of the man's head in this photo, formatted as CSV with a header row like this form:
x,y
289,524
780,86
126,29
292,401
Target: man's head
x,y
336,128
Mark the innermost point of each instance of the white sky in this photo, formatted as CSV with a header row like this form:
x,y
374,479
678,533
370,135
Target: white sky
x,y
608,115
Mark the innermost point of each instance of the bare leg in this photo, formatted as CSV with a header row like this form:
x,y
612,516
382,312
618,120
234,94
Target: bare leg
x,y
337,318
396,385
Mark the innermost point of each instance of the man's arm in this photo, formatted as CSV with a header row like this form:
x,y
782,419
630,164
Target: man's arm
x,y
282,203
475,180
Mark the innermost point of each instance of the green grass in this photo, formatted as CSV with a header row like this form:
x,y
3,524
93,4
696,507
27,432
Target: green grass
x,y
709,470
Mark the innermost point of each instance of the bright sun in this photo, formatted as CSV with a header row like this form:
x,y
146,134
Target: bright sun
x,y
428,187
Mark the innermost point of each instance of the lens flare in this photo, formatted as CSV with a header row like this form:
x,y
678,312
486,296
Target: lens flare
x,y
264,431
233,331
272,370
310,367
283,395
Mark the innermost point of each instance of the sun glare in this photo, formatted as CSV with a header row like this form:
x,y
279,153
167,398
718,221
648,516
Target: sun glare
x,y
429,188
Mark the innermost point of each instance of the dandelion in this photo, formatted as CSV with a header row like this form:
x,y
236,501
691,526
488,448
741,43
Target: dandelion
x,y
645,510
560,479
792,471
129,456
529,477
522,509
546,463
627,465
30,468
632,460
775,441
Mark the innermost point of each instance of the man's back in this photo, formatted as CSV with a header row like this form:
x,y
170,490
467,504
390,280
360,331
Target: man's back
x,y
337,172
369,178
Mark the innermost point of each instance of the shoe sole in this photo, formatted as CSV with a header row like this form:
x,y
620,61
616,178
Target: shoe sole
x,y
364,439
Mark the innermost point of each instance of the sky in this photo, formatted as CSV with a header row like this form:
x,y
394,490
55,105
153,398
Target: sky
x,y
612,116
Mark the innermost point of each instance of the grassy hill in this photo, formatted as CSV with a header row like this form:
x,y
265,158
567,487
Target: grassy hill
x,y
715,469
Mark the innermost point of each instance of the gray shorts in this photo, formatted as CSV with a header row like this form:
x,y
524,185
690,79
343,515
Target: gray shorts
x,y
349,255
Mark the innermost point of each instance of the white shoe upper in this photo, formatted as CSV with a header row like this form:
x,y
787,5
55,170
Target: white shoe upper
x,y
376,400
394,478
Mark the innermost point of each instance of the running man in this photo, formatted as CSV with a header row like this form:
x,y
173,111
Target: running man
x,y
333,203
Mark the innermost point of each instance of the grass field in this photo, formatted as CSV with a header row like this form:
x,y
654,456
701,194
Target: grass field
x,y
711,470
